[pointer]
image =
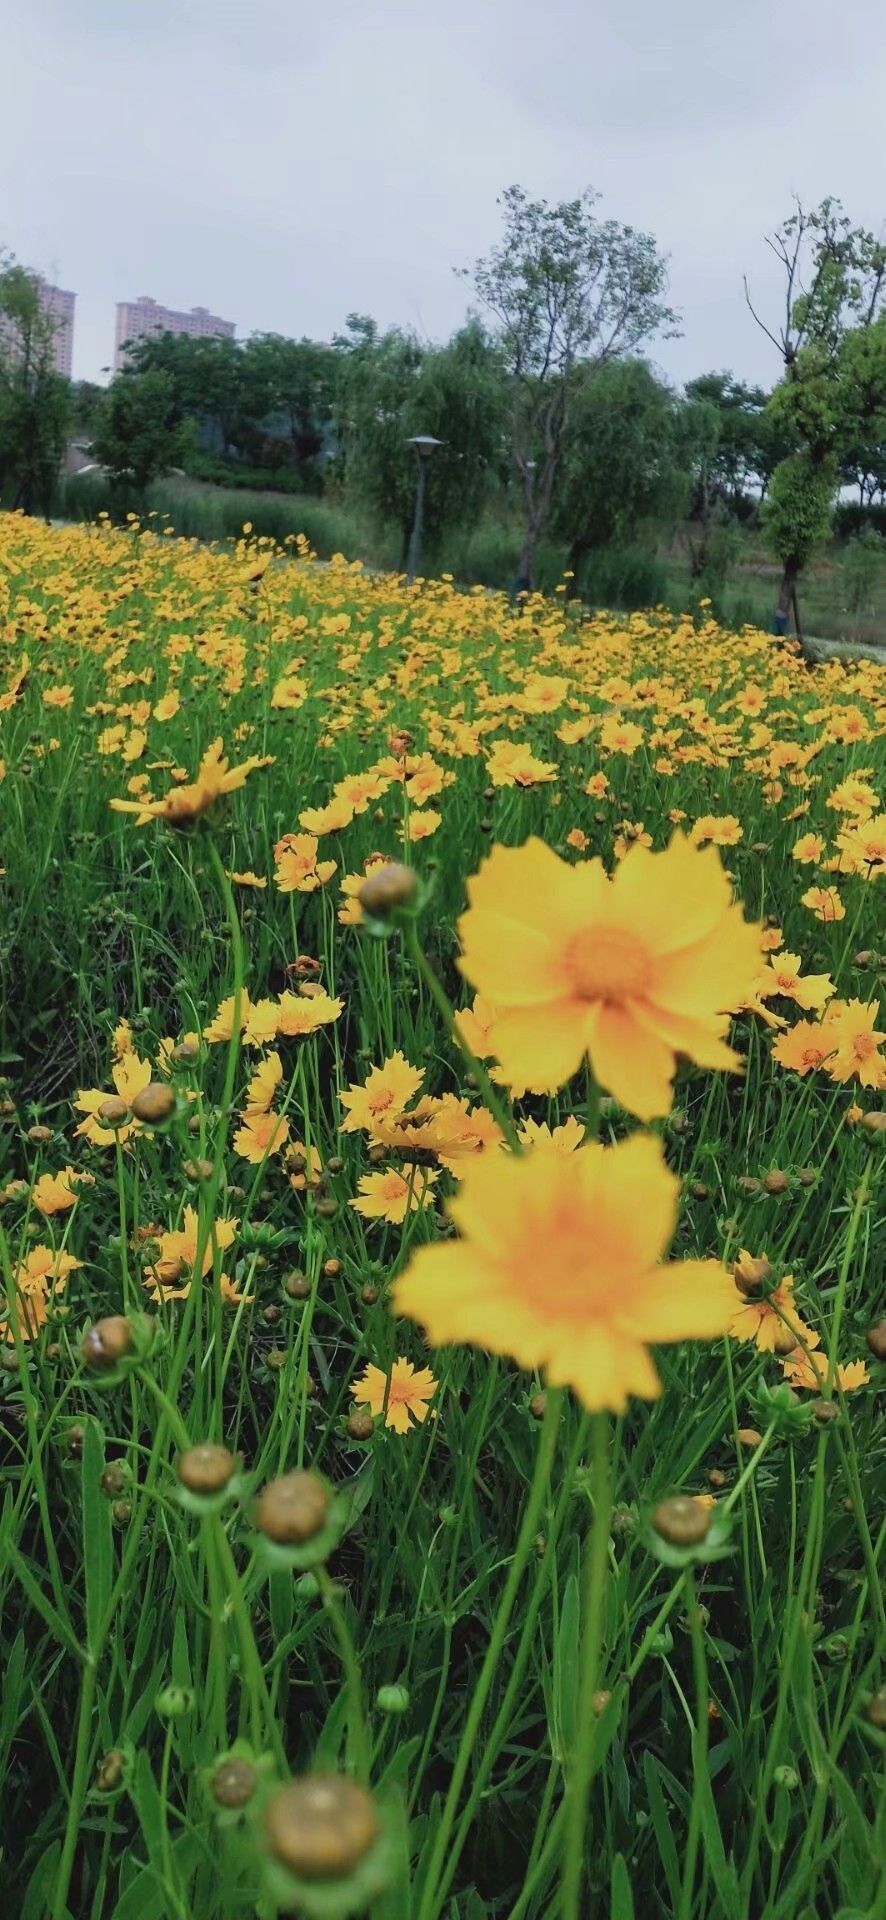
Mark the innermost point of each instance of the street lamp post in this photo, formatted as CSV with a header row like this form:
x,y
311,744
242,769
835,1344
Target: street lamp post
x,y
424,444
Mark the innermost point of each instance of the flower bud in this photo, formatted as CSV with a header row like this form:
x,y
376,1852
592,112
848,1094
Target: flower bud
x,y
39,1136
233,1783
173,1703
360,1425
876,1339
776,1181
538,1406
206,1468
393,1699
369,1295
155,1103
107,1342
113,1112
320,1827
681,1521
748,1437
386,889
198,1169
114,1480
293,1508
110,1771
751,1275
875,1710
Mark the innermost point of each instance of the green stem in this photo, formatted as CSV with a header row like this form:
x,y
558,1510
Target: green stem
x,y
543,1460
351,1668
59,1908
596,1566
699,1746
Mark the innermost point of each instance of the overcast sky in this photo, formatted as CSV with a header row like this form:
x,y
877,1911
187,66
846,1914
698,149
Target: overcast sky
x,y
286,162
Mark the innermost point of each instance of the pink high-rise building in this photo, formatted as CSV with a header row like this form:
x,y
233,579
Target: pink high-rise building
x,y
57,305
142,318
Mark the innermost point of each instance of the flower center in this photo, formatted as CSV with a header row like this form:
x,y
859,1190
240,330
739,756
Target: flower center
x,y
606,963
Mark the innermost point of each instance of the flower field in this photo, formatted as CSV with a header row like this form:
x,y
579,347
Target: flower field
x,y
441,1223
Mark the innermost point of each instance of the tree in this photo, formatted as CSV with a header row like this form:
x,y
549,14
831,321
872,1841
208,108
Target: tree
x,y
862,378
298,379
834,280
746,450
621,469
568,293
137,436
214,384
86,398
35,406
391,387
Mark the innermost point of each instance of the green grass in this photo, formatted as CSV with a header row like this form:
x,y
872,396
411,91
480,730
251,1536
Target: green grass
x,y
733,1766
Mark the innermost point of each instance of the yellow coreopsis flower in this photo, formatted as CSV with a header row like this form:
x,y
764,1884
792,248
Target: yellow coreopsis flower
x,y
384,1094
54,1192
402,1395
557,1267
391,1195
183,804
296,867
629,971
177,1258
130,1075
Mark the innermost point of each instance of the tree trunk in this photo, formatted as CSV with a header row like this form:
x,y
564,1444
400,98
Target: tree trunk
x,y
526,571
787,596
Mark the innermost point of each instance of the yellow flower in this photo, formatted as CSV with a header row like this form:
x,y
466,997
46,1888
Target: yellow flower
x,y
804,1047
260,1134
54,1192
183,804
297,1016
177,1259
719,831
557,1267
329,819
851,1028
384,1094
825,903
296,868
261,1026
629,971
810,1370
130,1075
620,736
423,822
512,764
782,976
391,1195
402,1395
248,879
565,1139
769,1321
808,849
263,1085
41,1276
221,1027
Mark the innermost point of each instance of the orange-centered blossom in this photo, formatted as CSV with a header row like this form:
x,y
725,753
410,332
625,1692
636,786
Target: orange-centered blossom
x,y
629,971
557,1267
